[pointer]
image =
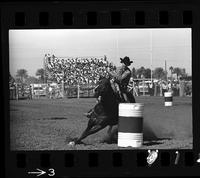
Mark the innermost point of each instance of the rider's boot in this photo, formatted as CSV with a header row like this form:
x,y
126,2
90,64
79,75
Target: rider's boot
x,y
89,113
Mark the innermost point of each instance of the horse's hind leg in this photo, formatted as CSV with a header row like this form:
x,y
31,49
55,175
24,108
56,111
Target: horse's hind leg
x,y
90,130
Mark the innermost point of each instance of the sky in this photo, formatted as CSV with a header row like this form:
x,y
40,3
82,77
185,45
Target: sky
x,y
146,47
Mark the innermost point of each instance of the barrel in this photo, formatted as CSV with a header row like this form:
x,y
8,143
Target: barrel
x,y
130,126
168,98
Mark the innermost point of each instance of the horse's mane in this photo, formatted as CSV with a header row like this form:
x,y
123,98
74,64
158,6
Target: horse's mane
x,y
109,99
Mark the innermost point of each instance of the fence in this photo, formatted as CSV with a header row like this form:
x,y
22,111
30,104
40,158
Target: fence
x,y
79,91
20,92
184,88
87,91
13,93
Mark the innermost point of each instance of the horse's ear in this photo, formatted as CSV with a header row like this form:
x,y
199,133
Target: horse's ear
x,y
101,77
108,77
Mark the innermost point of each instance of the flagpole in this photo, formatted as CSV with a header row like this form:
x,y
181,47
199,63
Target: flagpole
x,y
117,47
44,67
151,53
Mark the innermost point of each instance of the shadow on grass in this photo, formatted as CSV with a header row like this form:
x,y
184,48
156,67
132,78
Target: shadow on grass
x,y
12,109
158,141
55,118
149,137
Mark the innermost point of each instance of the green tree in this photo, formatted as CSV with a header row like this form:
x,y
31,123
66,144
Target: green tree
x,y
147,73
177,71
22,75
133,72
11,79
159,73
31,80
183,72
140,72
41,74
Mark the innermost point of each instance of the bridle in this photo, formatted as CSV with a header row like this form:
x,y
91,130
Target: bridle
x,y
111,81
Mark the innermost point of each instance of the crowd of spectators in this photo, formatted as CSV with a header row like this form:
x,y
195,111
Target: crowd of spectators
x,y
82,71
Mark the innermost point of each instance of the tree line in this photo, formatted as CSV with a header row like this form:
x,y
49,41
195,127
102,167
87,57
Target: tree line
x,y
158,73
23,77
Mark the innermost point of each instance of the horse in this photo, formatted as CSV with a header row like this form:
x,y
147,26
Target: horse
x,y
105,112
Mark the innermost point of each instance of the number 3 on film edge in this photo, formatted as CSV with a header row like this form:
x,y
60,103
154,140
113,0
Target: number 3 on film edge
x,y
52,172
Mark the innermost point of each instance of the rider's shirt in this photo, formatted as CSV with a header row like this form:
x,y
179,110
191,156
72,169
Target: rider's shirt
x,y
122,77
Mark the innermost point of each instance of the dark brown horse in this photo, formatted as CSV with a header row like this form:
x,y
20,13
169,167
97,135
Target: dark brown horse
x,y
105,112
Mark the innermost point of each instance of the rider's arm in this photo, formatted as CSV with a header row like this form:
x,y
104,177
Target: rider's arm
x,y
113,74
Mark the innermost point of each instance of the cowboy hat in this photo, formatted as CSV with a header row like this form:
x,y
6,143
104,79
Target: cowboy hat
x,y
126,60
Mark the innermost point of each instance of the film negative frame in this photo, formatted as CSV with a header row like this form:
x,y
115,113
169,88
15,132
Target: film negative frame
x,y
95,15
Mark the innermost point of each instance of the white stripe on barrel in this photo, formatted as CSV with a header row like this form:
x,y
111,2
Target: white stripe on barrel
x,y
130,126
168,98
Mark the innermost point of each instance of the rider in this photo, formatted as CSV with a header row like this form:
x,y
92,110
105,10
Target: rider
x,y
121,79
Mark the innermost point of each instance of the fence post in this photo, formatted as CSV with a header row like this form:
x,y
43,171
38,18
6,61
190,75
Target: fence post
x,y
88,91
78,91
161,94
181,88
63,89
135,92
143,88
155,89
17,97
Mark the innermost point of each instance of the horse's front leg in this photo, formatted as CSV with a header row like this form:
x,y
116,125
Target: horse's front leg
x,y
90,131
85,132
109,129
83,135
92,128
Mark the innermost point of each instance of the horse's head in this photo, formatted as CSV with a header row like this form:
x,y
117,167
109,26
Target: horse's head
x,y
108,98
103,88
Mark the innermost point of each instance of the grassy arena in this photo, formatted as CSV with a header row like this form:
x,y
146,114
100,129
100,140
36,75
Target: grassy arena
x,y
44,124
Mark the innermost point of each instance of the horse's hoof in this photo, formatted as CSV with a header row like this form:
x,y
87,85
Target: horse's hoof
x,y
71,143
87,115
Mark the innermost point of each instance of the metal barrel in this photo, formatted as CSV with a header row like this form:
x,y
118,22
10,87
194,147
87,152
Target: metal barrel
x,y
130,126
168,98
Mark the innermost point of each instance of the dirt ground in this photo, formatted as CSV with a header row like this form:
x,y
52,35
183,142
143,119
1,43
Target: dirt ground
x,y
49,124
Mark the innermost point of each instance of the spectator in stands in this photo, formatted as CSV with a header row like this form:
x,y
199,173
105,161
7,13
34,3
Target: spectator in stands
x,y
87,70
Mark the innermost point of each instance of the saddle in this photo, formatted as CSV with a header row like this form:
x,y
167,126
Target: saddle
x,y
121,94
